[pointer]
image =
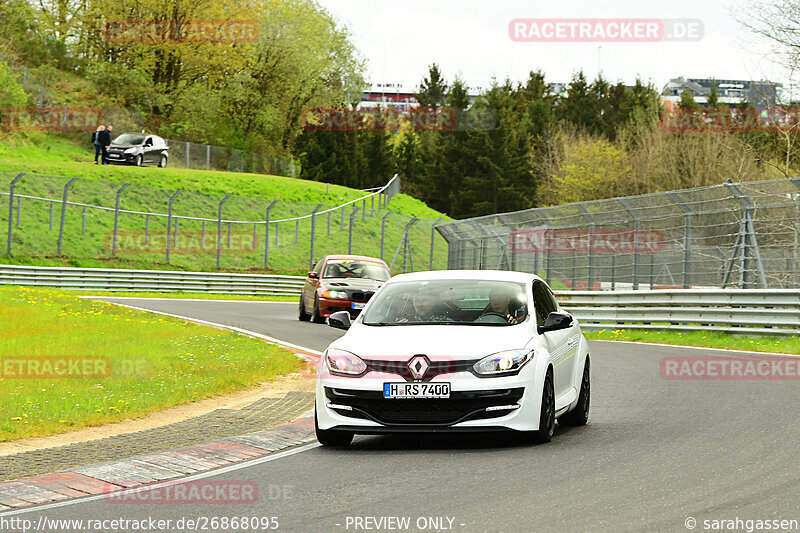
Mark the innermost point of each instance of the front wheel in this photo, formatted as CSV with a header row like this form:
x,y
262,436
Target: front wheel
x,y
547,414
138,161
580,415
332,437
162,163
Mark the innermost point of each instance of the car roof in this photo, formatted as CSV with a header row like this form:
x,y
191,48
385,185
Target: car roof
x,y
489,275
357,257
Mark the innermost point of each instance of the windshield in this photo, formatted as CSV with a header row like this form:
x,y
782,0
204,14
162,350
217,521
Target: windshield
x,y
450,302
345,268
129,138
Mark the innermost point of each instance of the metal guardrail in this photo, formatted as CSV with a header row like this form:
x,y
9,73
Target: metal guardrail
x,y
114,280
751,312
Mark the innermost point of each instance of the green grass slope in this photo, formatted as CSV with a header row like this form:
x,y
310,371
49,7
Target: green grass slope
x,y
49,160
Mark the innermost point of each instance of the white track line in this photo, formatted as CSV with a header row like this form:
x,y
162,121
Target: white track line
x,y
223,326
732,351
193,477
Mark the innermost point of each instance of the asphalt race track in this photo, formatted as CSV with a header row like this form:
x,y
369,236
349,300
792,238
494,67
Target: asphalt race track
x,y
655,453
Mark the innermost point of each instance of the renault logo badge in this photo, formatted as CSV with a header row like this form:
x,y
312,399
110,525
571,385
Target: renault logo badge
x,y
418,365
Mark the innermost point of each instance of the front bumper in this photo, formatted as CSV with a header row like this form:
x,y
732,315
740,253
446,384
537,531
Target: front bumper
x,y
329,306
475,404
123,159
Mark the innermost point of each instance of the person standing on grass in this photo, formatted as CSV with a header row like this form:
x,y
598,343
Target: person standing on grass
x,y
105,140
98,148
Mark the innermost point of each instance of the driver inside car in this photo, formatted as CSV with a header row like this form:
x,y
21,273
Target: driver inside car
x,y
423,309
499,304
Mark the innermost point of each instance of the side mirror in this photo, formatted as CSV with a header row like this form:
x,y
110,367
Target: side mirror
x,y
555,322
339,320
313,275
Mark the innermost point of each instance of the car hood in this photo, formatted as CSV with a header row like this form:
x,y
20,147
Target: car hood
x,y
352,283
126,146
437,342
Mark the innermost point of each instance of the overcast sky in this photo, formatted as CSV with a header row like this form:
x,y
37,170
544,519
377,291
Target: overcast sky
x,y
400,38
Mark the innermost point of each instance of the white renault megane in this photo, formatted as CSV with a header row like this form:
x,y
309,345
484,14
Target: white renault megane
x,y
454,351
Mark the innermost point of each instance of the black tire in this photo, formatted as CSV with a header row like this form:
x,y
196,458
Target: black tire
x,y
162,163
580,415
301,311
316,317
547,414
138,161
332,437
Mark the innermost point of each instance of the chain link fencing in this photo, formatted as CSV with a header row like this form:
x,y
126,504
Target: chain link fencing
x,y
743,235
48,216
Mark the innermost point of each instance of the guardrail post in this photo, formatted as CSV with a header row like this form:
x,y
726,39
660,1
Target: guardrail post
x,y
433,235
266,241
637,227
313,232
116,218
169,222
63,213
11,211
350,236
383,231
219,228
687,241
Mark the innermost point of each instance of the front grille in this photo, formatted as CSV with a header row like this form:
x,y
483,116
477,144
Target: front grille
x,y
360,296
461,406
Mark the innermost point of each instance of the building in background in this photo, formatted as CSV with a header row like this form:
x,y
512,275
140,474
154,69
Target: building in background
x,y
758,94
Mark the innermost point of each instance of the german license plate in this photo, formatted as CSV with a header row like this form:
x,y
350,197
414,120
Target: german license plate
x,y
416,390
358,305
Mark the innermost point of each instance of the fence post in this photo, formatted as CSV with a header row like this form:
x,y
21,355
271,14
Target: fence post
x,y
64,124
329,223
187,154
208,157
687,241
19,212
64,213
169,222
433,235
203,236
383,231
313,231
541,216
11,211
51,216
219,228
592,225
41,97
407,255
116,218
266,242
364,209
637,227
749,243
147,229
350,237
24,78
83,221
297,231
372,206
341,226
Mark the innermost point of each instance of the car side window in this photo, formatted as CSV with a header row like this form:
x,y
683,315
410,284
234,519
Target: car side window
x,y
148,141
543,303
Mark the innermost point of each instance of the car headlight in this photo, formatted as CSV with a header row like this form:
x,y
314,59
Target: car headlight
x,y
335,295
503,362
342,362
130,151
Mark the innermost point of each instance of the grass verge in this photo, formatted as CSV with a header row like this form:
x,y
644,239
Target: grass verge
x,y
704,339
153,362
